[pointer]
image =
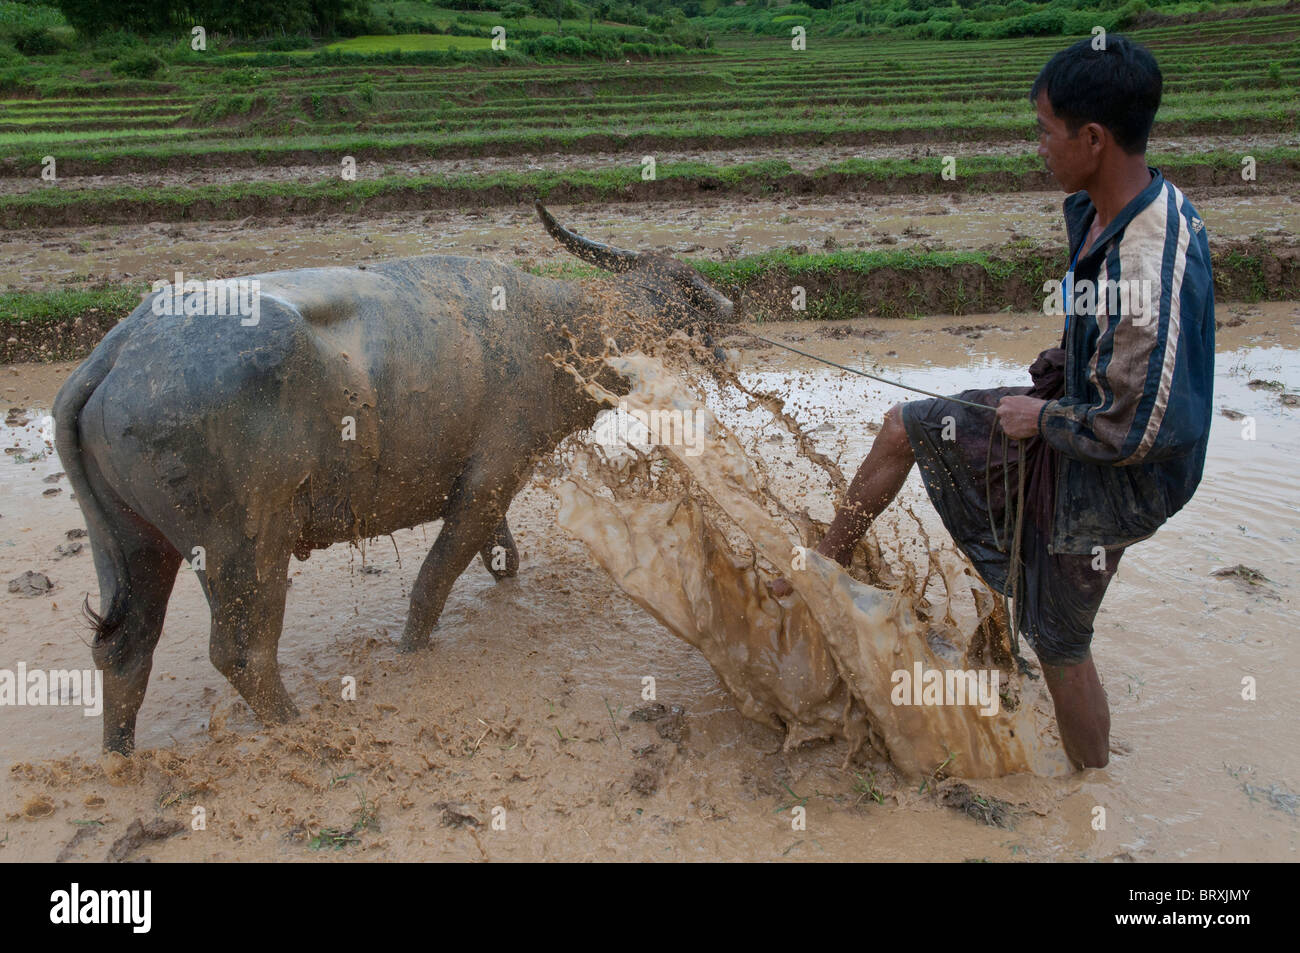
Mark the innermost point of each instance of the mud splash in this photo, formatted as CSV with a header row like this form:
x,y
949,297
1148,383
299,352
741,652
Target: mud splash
x,y
690,535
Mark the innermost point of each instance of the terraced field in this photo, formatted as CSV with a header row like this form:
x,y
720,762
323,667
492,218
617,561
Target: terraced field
x,y
753,125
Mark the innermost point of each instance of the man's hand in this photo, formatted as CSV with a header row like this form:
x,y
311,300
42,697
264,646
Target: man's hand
x,y
1018,416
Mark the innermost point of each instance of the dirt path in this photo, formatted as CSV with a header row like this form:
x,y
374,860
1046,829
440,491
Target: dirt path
x,y
524,704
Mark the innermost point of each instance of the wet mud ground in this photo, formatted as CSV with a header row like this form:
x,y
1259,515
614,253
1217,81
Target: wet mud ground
x,y
704,228
529,708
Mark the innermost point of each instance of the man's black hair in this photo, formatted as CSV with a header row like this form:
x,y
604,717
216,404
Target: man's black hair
x,y
1118,87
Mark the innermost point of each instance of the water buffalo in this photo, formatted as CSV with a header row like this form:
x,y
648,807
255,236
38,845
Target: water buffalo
x,y
361,401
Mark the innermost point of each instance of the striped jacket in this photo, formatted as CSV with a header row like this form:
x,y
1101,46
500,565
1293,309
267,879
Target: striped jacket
x,y
1132,427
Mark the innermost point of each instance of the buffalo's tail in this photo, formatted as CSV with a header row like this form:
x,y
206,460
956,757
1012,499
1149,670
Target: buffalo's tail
x,y
72,398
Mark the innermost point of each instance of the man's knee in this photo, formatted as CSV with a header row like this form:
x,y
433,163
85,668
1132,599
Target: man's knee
x,y
893,434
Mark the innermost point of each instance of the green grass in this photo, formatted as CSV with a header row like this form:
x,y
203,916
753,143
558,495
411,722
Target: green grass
x,y
405,42
60,304
36,140
409,42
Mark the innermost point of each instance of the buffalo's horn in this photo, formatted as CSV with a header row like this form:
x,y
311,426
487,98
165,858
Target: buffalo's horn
x,y
605,256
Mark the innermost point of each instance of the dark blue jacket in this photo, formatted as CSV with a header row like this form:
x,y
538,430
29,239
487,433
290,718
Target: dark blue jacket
x,y
1139,371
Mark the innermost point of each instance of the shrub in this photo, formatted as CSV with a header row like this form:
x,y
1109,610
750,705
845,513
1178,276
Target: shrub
x,y
37,41
142,65
244,76
283,43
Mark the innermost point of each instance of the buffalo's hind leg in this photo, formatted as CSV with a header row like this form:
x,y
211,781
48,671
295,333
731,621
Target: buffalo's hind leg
x,y
125,655
500,556
247,620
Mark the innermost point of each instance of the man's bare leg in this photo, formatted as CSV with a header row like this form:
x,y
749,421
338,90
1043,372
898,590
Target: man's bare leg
x,y
874,486
1077,695
1081,712
878,480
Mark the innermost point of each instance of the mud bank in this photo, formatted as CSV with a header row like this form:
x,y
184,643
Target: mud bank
x,y
806,159
531,700
638,144
837,286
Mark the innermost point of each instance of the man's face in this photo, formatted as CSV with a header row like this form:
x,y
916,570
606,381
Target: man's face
x,y
1072,159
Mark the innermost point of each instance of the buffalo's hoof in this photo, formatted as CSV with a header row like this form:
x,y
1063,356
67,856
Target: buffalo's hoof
x,y
280,714
411,646
120,741
120,746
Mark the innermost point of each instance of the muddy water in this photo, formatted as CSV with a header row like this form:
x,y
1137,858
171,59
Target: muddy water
x,y
703,228
820,662
524,703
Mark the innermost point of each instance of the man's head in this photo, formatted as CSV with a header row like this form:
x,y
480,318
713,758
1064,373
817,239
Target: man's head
x,y
1095,107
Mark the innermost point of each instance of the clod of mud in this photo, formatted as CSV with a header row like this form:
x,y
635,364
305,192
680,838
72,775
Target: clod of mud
x,y
83,832
65,550
121,771
652,760
972,331
31,584
75,533
837,332
138,834
37,808
983,808
1277,797
670,723
645,781
457,815
1260,384
1251,580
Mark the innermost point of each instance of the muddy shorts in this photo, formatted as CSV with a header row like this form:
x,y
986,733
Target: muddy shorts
x,y
1059,594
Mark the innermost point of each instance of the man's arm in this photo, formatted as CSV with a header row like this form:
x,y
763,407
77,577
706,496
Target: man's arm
x,y
1150,370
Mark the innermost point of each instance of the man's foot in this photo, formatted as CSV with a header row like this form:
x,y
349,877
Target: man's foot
x,y
779,587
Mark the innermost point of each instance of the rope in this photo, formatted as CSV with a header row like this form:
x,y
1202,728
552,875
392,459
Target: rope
x,y
874,377
708,340
1011,541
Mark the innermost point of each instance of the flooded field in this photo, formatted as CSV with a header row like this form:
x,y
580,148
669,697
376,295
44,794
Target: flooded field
x,y
529,710
706,228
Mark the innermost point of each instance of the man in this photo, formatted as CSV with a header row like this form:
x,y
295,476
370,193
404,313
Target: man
x,y
1122,448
